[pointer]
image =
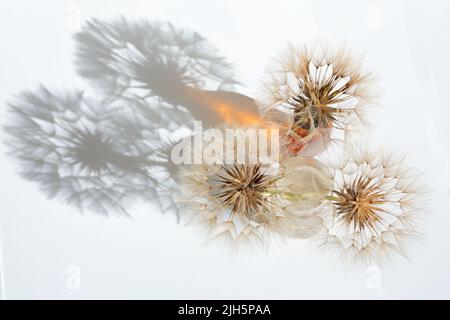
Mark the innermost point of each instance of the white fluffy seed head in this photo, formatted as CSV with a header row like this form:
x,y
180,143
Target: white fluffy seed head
x,y
246,205
375,208
323,93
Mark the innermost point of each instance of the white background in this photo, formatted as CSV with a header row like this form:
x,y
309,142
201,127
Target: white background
x,y
45,244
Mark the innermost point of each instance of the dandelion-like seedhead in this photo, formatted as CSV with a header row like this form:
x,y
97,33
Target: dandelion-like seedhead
x,y
318,94
242,187
98,156
249,205
374,209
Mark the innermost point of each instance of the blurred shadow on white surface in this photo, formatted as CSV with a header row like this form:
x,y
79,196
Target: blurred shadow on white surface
x,y
98,155
154,57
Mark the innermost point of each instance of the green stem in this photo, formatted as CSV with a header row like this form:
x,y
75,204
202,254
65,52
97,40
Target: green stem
x,y
297,197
